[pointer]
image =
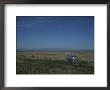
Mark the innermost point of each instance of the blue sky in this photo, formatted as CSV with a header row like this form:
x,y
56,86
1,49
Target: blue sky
x,y
67,32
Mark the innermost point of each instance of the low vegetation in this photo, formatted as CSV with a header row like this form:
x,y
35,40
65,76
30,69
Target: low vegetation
x,y
33,65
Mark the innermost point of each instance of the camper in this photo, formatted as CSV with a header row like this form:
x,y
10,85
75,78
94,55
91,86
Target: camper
x,y
72,58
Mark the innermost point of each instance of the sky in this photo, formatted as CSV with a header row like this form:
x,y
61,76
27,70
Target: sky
x,y
55,32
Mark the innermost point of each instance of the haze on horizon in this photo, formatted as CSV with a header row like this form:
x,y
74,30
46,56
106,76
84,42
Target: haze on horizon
x,y
55,32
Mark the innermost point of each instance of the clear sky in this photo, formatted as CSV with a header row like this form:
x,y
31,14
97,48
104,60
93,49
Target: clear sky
x,y
68,32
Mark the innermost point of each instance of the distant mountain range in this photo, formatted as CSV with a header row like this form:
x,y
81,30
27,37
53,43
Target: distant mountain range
x,y
51,49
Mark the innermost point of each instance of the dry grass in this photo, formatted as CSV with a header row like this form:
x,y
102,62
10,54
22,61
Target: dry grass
x,y
32,66
86,56
53,63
